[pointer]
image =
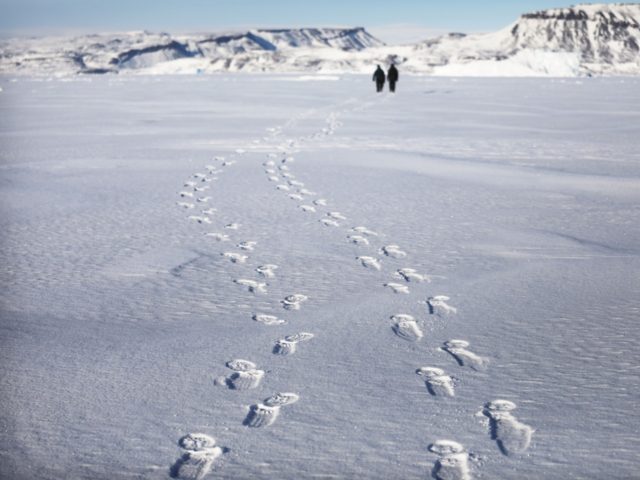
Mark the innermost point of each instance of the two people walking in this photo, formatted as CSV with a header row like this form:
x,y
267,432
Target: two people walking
x,y
392,76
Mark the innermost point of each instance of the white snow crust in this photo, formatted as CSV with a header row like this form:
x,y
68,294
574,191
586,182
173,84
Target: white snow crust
x,y
127,350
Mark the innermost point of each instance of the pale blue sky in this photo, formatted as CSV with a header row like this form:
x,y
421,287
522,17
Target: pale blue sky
x,y
391,20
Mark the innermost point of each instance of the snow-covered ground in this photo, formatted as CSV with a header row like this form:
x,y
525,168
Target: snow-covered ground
x,y
123,300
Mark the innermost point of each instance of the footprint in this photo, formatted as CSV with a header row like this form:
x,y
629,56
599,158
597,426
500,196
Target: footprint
x,y
186,194
199,176
453,461
196,442
406,327
295,196
307,208
358,239
464,357
321,202
287,175
274,179
220,237
284,188
248,245
393,251
190,183
283,168
293,302
209,211
244,380
269,171
511,435
240,365
365,231
186,205
281,399
200,220
370,262
264,414
246,375
438,305
201,189
288,344
288,160
268,319
438,383
336,216
411,275
285,347
203,199
252,286
327,222
235,257
232,226
267,271
304,191
296,183
397,287
197,461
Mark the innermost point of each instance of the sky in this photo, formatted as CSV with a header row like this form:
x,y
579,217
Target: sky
x,y
394,21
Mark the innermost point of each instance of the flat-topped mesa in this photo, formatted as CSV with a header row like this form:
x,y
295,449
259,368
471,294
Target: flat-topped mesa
x,y
598,33
356,38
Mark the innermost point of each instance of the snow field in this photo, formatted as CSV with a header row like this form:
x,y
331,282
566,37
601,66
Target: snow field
x,y
145,326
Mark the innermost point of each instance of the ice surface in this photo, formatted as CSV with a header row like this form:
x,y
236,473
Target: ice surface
x,y
519,199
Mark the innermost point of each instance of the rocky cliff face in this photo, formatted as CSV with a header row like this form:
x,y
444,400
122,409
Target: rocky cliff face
x,y
598,33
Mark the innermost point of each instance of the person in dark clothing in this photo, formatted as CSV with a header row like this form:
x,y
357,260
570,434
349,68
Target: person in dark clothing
x,y
379,78
392,76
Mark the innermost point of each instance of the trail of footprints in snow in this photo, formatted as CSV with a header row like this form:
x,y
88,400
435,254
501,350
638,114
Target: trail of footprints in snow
x,y
200,450
511,435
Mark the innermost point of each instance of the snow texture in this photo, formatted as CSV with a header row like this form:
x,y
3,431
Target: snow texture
x,y
131,339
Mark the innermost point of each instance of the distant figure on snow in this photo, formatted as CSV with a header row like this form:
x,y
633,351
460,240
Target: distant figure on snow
x,y
379,78
392,76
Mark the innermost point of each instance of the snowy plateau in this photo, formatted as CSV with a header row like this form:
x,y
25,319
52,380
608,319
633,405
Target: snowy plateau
x,y
288,275
588,39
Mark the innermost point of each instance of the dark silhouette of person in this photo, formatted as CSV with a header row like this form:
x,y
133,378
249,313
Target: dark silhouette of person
x,y
379,78
392,76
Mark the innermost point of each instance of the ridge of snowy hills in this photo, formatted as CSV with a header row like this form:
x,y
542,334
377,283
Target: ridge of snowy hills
x,y
586,39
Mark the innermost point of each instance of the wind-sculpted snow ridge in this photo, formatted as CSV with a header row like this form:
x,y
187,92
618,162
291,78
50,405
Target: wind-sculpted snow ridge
x,y
581,40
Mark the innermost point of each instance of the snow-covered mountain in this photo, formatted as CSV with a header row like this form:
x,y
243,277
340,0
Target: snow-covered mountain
x,y
580,40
